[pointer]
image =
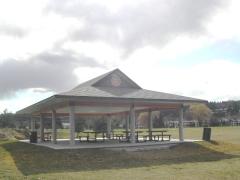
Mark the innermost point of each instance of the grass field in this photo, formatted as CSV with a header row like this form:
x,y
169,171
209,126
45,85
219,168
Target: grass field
x,y
219,159
218,133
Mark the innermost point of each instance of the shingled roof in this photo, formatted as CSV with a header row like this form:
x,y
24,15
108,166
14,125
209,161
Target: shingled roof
x,y
113,86
124,87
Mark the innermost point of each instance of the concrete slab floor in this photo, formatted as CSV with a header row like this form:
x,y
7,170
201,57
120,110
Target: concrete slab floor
x,y
110,144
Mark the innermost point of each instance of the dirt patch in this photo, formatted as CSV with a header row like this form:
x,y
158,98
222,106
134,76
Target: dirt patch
x,y
2,136
12,134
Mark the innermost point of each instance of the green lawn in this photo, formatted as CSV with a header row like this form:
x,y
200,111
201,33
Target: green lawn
x,y
228,134
219,159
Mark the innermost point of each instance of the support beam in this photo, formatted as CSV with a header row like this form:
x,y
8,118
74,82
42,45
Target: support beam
x,y
127,122
72,125
127,116
132,125
54,129
109,126
41,128
33,124
17,124
181,124
30,124
150,124
136,119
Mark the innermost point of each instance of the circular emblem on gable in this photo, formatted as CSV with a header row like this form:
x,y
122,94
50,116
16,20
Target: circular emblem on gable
x,y
116,80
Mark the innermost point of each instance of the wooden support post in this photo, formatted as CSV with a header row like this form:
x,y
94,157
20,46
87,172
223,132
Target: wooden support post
x,y
181,124
132,121
150,124
127,126
33,124
72,125
41,128
127,122
109,126
54,129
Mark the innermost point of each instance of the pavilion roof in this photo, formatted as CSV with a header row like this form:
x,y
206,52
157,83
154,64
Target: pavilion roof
x,y
101,87
114,85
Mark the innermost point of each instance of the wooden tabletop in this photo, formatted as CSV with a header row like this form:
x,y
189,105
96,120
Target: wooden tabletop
x,y
93,131
158,131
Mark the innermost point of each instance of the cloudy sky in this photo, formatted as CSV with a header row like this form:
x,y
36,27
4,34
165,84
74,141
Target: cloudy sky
x,y
186,47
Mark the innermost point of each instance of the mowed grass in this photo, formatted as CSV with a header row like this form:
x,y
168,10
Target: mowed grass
x,y
227,134
219,159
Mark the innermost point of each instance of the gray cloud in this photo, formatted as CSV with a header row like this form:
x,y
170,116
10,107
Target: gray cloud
x,y
11,30
49,70
153,22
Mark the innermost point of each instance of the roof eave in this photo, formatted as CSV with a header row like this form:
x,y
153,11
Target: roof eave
x,y
49,102
30,109
133,99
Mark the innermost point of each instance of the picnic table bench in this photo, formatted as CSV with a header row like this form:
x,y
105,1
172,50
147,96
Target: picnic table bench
x,y
156,137
88,137
137,133
47,136
153,135
120,137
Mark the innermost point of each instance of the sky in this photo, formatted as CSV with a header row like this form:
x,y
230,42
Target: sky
x,y
186,47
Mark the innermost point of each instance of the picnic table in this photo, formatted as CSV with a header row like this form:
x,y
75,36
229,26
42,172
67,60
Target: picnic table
x,y
95,135
137,134
154,134
120,136
47,136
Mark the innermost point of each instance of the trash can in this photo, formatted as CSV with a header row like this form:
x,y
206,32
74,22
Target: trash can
x,y
207,134
33,137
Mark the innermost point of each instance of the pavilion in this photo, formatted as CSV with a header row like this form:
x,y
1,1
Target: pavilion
x,y
109,94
